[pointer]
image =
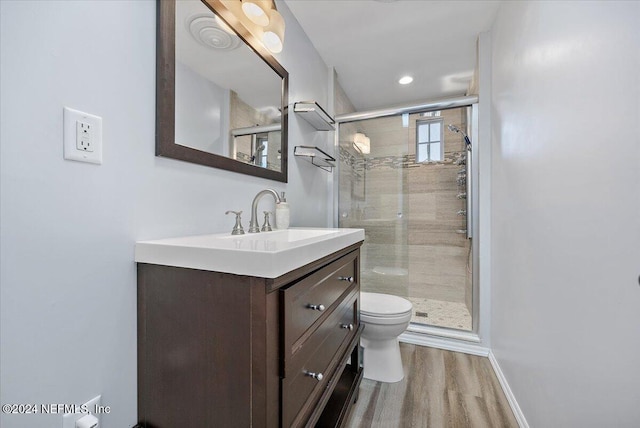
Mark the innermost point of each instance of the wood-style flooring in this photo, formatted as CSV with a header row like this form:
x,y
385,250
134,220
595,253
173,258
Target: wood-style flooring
x,y
440,389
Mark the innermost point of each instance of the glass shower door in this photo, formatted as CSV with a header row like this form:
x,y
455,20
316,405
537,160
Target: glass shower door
x,y
407,189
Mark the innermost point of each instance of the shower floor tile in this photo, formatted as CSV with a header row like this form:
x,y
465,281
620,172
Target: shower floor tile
x,y
440,313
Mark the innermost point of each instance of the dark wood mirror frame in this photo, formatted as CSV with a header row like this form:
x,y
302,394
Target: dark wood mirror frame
x,y
165,94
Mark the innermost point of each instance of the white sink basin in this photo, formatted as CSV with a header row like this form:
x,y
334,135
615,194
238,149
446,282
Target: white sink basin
x,y
265,254
288,235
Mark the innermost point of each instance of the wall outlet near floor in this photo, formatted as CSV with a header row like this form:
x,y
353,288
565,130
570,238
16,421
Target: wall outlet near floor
x,y
82,136
69,419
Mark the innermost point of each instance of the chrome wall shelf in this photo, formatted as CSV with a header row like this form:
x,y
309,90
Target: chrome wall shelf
x,y
314,114
316,156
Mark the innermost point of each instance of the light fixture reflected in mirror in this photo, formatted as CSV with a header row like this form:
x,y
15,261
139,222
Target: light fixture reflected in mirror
x,y
273,36
257,11
362,143
262,19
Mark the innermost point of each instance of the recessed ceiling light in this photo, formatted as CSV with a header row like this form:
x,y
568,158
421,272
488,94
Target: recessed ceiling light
x,y
405,80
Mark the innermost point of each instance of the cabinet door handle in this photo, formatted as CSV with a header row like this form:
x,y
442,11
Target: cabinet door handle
x,y
347,326
316,376
316,307
346,278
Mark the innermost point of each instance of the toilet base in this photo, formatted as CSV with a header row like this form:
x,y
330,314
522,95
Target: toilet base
x,y
382,361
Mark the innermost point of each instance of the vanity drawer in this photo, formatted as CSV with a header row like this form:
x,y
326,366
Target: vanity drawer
x,y
314,297
319,355
342,320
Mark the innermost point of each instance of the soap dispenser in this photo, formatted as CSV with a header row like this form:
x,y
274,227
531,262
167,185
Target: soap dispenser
x,y
283,214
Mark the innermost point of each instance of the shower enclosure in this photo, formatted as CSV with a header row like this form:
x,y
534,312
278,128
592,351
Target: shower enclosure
x,y
405,179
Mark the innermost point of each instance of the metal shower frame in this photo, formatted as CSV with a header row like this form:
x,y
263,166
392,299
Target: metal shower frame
x,y
471,102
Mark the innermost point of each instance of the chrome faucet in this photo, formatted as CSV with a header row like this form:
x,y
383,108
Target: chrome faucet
x,y
237,229
253,224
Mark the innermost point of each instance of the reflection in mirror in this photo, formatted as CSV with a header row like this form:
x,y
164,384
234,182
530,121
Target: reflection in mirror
x,y
227,99
261,142
208,97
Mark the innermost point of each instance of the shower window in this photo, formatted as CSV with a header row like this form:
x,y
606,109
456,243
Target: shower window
x,y
429,144
263,151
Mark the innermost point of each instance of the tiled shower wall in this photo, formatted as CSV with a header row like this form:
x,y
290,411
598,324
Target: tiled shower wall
x,y
414,246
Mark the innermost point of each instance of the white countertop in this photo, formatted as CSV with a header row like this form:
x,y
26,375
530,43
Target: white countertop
x,y
264,254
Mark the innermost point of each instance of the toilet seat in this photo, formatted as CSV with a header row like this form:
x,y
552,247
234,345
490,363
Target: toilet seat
x,y
376,305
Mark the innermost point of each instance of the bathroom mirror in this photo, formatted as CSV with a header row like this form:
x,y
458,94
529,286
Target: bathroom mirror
x,y
221,97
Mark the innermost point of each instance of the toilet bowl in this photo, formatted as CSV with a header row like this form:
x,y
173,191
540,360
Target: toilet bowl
x,y
385,317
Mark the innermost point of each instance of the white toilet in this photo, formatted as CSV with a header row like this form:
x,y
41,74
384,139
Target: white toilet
x,y
385,317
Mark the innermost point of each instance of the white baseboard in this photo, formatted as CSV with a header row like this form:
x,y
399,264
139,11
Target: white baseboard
x,y
447,344
515,408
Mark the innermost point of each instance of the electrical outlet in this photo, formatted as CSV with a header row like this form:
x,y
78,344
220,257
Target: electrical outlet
x,y
69,419
82,136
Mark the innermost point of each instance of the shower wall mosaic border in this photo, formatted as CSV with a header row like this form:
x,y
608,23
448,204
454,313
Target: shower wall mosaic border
x,y
393,162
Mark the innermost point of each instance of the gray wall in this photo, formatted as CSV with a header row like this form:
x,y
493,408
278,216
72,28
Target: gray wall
x,y
202,112
68,280
565,203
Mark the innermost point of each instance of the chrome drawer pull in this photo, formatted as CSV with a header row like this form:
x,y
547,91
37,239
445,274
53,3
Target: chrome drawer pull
x,y
346,278
347,326
316,376
316,307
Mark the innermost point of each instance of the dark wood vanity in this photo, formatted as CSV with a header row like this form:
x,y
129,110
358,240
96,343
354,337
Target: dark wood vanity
x,y
224,350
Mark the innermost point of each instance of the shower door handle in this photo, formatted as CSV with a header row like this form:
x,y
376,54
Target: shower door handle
x,y
469,194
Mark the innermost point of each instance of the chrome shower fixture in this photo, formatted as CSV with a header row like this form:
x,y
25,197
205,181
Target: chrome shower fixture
x,y
457,130
258,149
454,128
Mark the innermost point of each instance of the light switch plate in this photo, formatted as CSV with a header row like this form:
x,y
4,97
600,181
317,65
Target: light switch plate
x,y
82,136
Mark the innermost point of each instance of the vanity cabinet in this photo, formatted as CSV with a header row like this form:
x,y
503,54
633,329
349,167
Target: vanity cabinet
x,y
224,350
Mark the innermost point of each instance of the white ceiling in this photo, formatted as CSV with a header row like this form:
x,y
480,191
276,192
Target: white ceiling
x,y
372,44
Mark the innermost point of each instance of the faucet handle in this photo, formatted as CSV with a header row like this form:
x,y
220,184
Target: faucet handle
x,y
266,227
237,229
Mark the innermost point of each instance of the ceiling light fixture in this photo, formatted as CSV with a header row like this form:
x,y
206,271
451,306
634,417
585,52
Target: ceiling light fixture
x,y
273,37
260,18
405,80
257,11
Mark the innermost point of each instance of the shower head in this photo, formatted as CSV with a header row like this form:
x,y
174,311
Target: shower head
x,y
454,128
457,130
